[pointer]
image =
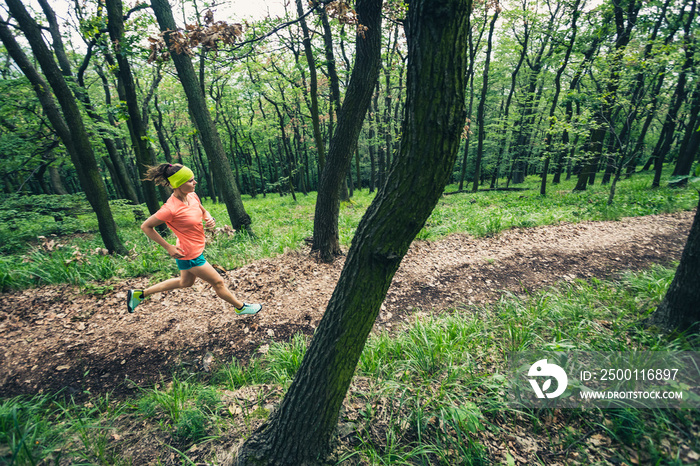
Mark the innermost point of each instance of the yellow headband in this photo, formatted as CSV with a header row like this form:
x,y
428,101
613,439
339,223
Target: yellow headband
x,y
180,177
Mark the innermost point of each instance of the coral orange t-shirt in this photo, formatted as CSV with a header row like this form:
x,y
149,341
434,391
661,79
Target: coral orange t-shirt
x,y
185,220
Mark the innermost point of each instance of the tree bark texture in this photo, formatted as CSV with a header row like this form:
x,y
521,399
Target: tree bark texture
x,y
299,431
200,113
77,141
342,147
680,309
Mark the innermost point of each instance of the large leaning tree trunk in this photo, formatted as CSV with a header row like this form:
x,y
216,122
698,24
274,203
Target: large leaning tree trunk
x,y
300,430
352,114
680,309
77,141
199,111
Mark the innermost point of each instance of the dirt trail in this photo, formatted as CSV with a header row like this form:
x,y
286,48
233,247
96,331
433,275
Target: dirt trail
x,y
55,337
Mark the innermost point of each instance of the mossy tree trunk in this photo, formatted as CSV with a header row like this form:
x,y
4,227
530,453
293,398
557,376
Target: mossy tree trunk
x,y
226,184
352,114
300,430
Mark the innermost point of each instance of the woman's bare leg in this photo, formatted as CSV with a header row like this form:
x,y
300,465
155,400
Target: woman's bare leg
x,y
185,280
207,273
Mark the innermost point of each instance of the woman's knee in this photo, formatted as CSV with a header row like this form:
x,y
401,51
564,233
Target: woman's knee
x,y
186,282
219,285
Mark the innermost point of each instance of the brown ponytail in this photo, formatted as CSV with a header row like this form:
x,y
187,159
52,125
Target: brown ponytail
x,y
159,173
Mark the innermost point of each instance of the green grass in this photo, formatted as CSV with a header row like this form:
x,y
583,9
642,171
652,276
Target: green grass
x,y
278,366
48,430
184,408
281,225
429,393
488,212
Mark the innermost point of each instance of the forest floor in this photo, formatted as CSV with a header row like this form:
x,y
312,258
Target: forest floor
x,y
83,340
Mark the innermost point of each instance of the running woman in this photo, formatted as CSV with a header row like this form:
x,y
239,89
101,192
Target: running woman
x,y
183,213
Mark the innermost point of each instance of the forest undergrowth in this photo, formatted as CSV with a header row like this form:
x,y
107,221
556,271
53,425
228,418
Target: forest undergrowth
x,y
429,392
52,239
432,392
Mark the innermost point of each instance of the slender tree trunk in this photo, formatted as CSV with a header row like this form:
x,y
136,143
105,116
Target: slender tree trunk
x,y
470,81
56,181
371,153
313,88
300,173
625,17
261,172
357,99
160,131
198,109
527,123
651,115
73,135
208,175
437,60
691,140
504,133
139,137
481,109
555,100
679,94
56,39
330,63
286,150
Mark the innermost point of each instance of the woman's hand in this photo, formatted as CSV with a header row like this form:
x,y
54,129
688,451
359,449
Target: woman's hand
x,y
209,222
148,228
175,252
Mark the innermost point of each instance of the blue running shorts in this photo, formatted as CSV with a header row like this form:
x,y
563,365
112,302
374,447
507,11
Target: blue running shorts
x,y
186,265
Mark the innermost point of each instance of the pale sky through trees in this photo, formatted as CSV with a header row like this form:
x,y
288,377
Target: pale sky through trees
x,y
231,9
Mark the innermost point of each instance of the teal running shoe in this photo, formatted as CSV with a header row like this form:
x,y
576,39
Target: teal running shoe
x,y
134,298
249,309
